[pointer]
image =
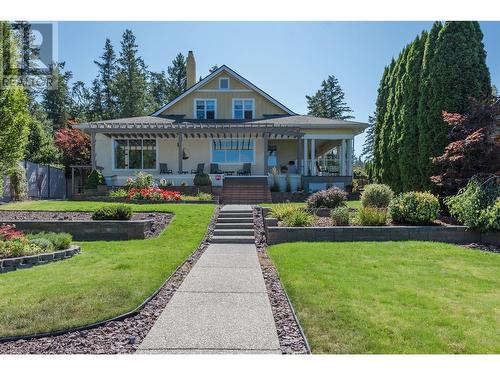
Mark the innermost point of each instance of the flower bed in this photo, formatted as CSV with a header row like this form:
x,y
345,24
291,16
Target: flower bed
x,y
154,194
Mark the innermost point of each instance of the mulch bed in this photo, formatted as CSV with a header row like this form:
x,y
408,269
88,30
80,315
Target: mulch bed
x,y
290,336
114,337
161,220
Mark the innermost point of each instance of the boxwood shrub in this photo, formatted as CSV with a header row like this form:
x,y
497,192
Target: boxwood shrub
x,y
414,207
113,212
376,195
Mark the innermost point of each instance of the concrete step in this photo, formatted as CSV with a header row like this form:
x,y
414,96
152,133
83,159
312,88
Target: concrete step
x,y
243,212
233,239
235,220
234,226
231,214
233,232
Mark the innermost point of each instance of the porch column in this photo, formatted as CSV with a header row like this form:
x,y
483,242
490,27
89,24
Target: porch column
x,y
266,156
179,151
342,158
304,172
299,164
313,157
92,151
349,157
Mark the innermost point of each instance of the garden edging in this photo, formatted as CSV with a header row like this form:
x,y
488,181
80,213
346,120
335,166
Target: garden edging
x,y
451,234
12,264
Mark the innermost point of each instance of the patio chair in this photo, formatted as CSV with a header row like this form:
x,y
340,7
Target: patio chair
x,y
214,169
199,169
246,170
164,169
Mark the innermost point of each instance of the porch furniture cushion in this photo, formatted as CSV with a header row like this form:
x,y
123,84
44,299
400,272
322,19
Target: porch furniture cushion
x,y
246,170
199,169
214,169
164,169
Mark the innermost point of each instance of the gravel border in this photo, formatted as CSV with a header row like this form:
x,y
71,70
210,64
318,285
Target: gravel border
x,y
116,336
290,334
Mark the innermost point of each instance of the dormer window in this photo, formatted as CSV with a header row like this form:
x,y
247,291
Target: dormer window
x,y
205,109
224,83
243,109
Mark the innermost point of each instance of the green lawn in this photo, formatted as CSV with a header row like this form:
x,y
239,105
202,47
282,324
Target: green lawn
x,y
393,297
105,280
351,204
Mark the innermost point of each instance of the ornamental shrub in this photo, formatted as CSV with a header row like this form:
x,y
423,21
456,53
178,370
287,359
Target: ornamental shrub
x,y
330,198
340,216
490,217
118,193
480,194
298,218
113,212
155,194
376,195
94,179
414,207
202,179
59,241
43,243
142,180
281,210
372,216
201,196
17,182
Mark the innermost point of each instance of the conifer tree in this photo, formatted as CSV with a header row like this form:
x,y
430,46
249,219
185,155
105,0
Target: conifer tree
x,y
368,145
176,80
131,79
158,88
329,101
106,77
56,96
408,136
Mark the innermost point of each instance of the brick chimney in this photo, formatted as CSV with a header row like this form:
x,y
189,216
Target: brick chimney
x,y
190,70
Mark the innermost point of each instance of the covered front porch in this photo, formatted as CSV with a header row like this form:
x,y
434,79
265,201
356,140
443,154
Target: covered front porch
x,y
293,156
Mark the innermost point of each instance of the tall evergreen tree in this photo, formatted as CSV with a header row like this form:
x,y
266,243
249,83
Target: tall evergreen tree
x,y
56,96
81,102
106,77
368,145
176,80
158,87
131,79
329,101
457,75
408,136
380,131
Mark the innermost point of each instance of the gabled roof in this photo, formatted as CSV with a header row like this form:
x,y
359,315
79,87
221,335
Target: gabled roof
x,y
212,75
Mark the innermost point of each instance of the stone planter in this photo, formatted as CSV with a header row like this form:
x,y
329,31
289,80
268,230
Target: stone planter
x,y
451,234
12,264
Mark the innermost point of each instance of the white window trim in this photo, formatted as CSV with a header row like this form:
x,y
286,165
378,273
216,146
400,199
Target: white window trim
x,y
114,169
228,83
204,99
253,107
237,163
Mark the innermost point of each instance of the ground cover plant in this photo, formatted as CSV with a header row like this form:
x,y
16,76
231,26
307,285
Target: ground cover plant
x,y
392,297
113,212
107,279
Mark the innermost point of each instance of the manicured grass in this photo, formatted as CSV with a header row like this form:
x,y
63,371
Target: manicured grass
x,y
393,297
105,280
351,204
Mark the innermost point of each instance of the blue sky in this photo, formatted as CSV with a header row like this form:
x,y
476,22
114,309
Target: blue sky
x,y
286,59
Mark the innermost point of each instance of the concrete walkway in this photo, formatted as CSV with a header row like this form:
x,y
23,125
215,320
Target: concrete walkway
x,y
221,307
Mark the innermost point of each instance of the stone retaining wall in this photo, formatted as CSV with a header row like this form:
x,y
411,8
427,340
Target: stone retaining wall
x,y
452,234
87,230
12,264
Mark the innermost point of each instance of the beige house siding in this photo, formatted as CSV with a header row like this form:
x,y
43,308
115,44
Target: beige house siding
x,y
224,99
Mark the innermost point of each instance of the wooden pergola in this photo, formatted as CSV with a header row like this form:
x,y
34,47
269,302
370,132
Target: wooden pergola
x,y
181,131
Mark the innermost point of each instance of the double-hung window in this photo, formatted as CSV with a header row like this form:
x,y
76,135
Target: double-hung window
x,y
243,109
205,109
233,151
134,153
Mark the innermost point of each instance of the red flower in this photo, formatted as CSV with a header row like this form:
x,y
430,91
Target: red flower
x,y
9,232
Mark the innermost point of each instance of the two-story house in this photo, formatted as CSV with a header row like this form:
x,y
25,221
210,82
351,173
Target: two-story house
x,y
225,126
